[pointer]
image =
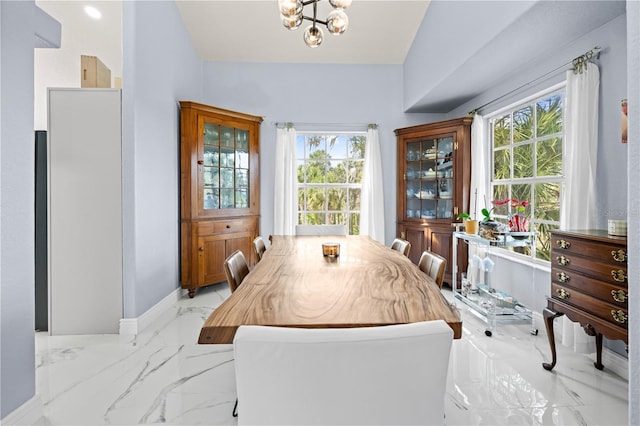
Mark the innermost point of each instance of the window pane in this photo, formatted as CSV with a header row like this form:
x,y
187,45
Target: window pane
x,y
547,201
316,218
549,112
301,171
242,178
211,155
226,180
316,171
301,203
242,139
242,199
355,171
521,192
336,219
300,147
300,219
227,157
316,199
523,124
211,198
354,224
337,172
337,147
227,136
500,193
357,146
354,199
502,164
543,240
226,199
523,161
337,199
317,146
502,131
211,134
549,157
242,159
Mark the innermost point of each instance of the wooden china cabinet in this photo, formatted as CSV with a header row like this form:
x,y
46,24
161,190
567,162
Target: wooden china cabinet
x,y
220,190
434,173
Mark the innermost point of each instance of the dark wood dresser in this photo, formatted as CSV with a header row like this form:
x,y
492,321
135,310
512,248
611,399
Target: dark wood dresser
x,y
589,286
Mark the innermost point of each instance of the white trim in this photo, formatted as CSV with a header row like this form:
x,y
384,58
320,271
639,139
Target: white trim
x,y
27,414
132,326
561,85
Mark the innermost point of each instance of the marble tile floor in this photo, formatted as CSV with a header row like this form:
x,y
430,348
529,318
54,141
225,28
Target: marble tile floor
x,y
162,376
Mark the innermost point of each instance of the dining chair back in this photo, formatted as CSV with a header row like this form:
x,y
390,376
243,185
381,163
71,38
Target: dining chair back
x,y
433,265
235,268
321,230
403,246
259,248
385,375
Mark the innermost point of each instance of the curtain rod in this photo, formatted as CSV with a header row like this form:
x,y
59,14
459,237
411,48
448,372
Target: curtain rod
x,y
281,124
579,64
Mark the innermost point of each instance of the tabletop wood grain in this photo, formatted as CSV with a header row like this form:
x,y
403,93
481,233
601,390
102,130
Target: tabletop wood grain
x,y
294,285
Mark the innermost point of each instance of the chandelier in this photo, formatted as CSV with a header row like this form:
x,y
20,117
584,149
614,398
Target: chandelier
x,y
291,12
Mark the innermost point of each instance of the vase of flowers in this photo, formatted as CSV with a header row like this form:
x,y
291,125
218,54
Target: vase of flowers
x,y
518,219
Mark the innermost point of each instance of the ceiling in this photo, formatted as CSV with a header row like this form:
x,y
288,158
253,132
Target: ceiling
x,y
380,31
464,47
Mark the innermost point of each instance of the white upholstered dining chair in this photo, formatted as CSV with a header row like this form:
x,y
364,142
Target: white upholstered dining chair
x,y
387,375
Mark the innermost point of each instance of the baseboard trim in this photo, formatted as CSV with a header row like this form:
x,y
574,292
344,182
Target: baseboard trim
x,y
27,414
612,361
132,326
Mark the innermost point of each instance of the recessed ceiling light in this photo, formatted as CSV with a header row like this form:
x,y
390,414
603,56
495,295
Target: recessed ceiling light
x,y
92,12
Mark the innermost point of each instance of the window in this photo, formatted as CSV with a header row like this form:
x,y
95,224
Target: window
x,y
330,169
526,144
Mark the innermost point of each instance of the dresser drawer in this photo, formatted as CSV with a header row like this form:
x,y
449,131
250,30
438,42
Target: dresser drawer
x,y
563,245
611,273
614,294
605,311
227,226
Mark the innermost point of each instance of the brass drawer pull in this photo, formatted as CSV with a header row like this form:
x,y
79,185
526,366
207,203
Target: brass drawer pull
x,y
619,255
563,294
619,316
619,275
563,244
562,277
619,296
564,261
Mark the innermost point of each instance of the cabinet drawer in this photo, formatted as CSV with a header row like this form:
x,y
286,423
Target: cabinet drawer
x,y
608,272
588,321
568,245
616,295
226,226
588,304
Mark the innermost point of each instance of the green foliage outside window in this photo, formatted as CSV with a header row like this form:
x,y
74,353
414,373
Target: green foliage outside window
x,y
329,179
527,165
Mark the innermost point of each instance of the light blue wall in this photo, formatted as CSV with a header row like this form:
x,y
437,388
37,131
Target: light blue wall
x,y
612,154
17,346
161,67
311,96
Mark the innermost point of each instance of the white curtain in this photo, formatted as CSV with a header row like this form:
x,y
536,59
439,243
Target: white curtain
x,y
371,197
478,188
285,196
581,154
479,178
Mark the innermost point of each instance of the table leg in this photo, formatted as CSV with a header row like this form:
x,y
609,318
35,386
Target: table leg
x,y
598,363
549,316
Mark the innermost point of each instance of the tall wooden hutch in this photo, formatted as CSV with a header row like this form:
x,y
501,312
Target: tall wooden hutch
x,y
220,190
434,174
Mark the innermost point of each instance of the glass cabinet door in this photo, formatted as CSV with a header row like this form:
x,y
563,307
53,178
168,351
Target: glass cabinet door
x,y
429,178
225,171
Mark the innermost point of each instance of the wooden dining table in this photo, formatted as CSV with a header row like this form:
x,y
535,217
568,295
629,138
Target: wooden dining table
x,y
294,285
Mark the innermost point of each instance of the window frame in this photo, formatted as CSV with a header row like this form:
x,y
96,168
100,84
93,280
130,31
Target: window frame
x,y
489,119
349,186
